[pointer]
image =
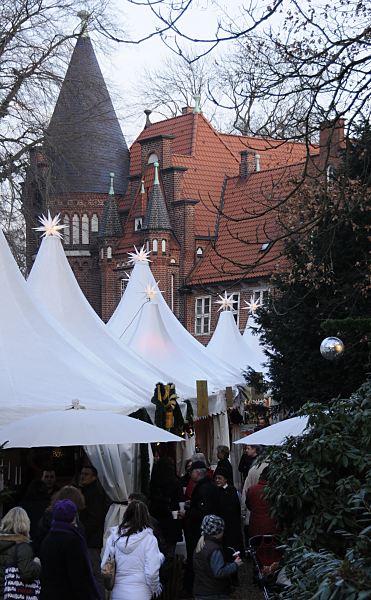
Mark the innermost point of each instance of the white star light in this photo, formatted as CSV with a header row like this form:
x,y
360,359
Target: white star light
x,y
139,256
151,291
50,226
253,305
226,302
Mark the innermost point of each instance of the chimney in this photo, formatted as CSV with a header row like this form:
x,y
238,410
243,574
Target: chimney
x,y
186,110
248,163
331,140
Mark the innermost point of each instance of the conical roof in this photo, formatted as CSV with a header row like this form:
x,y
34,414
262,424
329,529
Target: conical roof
x,y
129,311
227,343
157,216
252,338
151,339
54,287
84,141
110,224
41,366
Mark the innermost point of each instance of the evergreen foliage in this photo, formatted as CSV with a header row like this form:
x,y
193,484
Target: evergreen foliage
x,y
319,488
326,291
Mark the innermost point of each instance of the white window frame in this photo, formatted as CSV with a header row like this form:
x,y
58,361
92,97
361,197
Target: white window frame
x,y
94,224
85,229
109,252
260,295
66,232
155,246
202,318
138,221
75,230
236,306
163,246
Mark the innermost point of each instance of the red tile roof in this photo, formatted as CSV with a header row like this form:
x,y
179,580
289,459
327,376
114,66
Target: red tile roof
x,y
249,219
210,156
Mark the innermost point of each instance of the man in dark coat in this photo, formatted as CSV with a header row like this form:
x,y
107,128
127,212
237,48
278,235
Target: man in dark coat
x,y
66,569
204,501
230,511
92,517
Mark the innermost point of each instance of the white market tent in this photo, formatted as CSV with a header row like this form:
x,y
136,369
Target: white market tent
x,y
42,367
227,342
276,434
54,287
252,338
137,324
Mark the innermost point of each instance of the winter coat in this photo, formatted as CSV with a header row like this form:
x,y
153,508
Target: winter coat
x,y
261,522
230,511
15,550
93,515
251,479
204,501
138,562
163,501
212,573
66,569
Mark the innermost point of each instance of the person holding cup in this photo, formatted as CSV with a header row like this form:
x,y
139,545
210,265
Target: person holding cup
x,y
212,575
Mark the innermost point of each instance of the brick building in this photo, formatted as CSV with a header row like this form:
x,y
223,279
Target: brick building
x,y
193,196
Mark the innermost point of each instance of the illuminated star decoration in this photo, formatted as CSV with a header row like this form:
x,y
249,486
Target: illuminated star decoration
x,y
50,226
139,256
253,305
226,302
151,291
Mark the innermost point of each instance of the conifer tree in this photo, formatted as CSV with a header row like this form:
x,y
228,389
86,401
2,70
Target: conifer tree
x,y
325,289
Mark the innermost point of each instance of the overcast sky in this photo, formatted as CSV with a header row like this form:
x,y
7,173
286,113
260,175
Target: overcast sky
x,y
125,63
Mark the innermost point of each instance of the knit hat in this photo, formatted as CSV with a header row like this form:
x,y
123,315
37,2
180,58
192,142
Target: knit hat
x,y
212,525
221,471
198,464
64,510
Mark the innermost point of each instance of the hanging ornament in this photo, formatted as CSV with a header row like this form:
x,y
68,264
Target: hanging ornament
x,y
331,348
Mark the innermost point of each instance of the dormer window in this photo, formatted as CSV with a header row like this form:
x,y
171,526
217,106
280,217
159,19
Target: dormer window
x,y
152,158
199,252
265,246
138,223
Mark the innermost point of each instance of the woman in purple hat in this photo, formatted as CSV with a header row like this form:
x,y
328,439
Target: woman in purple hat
x,y
66,568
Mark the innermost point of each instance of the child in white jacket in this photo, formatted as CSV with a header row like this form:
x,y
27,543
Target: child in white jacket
x,y
138,559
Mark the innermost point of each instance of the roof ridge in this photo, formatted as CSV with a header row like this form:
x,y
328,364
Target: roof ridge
x,y
217,134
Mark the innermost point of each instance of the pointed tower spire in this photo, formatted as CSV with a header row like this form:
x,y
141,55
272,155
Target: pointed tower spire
x,y
84,140
157,216
84,15
110,223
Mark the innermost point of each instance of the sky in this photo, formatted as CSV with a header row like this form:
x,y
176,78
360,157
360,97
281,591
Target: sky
x,y
124,64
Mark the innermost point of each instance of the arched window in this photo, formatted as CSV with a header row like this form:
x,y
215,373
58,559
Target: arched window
x,y
163,246
85,229
102,253
154,246
147,245
172,279
109,252
66,232
152,158
75,229
94,224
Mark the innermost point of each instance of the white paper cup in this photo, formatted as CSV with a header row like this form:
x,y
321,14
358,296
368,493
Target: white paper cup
x,y
181,506
175,514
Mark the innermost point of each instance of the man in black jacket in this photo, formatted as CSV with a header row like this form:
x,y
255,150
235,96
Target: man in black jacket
x,y
92,517
204,501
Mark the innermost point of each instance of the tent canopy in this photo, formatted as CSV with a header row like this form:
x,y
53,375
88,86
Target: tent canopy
x,y
55,288
252,338
133,326
227,343
42,367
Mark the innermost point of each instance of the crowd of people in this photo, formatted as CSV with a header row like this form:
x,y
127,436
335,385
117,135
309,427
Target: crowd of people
x,y
55,536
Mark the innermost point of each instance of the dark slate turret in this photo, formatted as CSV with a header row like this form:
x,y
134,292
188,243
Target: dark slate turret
x,y
157,216
84,140
110,225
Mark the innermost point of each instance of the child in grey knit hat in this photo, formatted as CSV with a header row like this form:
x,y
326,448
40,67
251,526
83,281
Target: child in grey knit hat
x,y
212,573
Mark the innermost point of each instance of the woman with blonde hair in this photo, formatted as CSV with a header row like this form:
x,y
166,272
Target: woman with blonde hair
x,y
15,547
135,551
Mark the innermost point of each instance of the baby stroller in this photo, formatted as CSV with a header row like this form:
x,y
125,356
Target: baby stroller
x,y
265,552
